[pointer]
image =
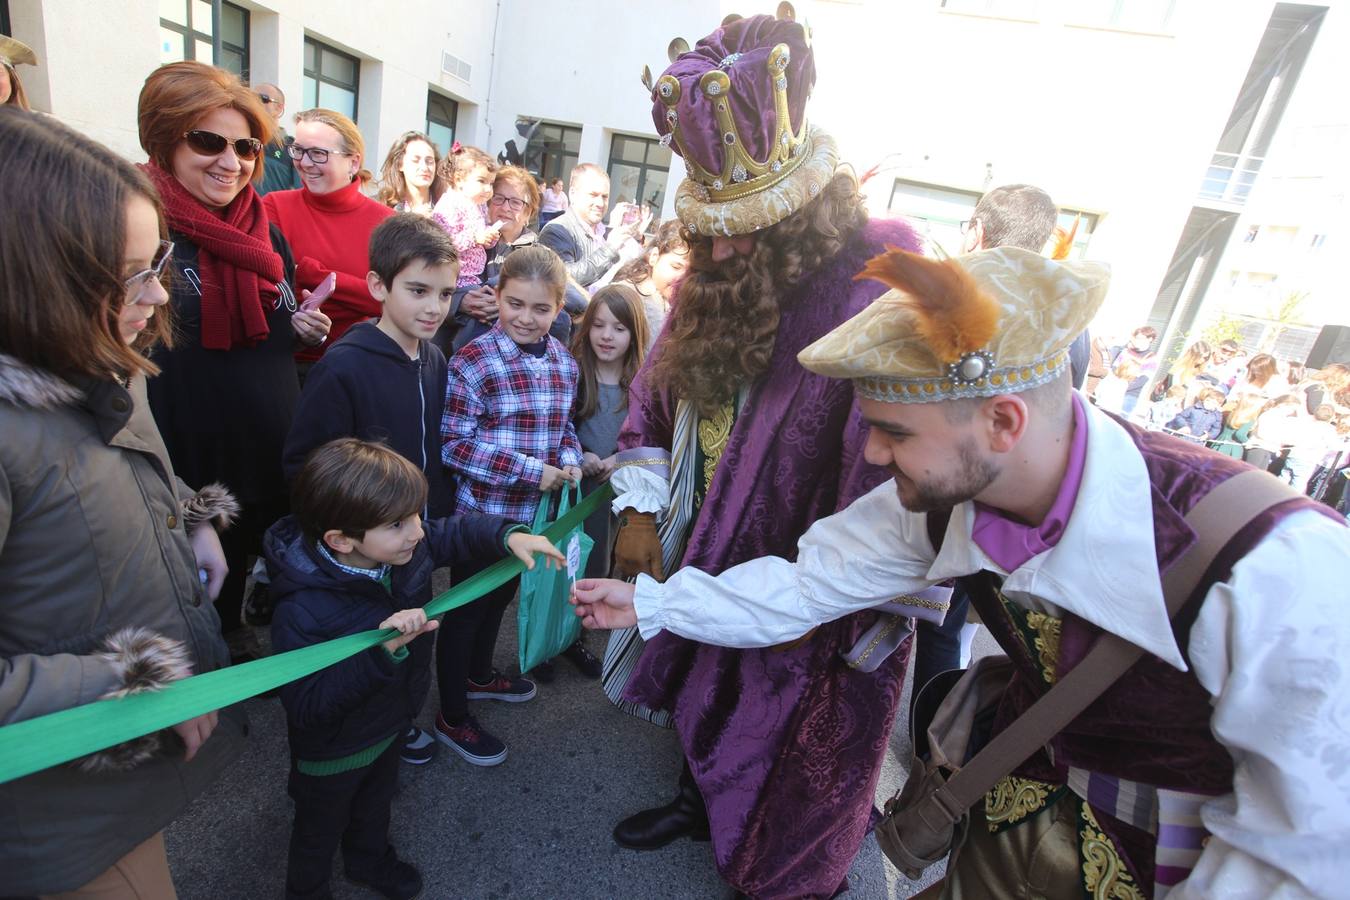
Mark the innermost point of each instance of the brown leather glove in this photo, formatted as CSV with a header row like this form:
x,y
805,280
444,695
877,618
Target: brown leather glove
x,y
637,551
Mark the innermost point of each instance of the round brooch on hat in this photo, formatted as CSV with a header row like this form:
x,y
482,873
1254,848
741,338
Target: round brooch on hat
x,y
971,367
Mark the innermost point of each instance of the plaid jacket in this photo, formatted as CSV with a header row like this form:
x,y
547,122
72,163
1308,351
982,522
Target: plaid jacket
x,y
507,414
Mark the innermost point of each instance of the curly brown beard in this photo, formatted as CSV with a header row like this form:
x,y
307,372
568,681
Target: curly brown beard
x,y
725,317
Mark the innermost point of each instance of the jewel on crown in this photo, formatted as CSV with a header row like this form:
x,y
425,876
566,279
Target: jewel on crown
x,y
740,174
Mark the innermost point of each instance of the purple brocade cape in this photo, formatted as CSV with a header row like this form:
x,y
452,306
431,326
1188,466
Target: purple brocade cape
x,y
786,745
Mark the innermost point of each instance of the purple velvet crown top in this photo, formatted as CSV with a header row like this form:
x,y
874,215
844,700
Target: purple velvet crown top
x,y
740,49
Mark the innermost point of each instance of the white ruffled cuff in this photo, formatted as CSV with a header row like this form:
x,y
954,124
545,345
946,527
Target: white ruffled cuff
x,y
641,481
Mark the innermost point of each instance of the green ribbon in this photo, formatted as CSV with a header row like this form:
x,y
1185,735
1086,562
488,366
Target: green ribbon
x,y
36,744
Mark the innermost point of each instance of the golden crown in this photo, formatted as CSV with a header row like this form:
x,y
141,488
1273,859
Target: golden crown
x,y
741,173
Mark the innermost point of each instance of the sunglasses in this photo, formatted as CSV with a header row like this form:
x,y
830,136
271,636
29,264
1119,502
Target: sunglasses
x,y
266,99
208,143
137,283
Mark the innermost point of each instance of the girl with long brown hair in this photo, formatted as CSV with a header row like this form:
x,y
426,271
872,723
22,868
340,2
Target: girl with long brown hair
x,y
657,273
100,551
410,179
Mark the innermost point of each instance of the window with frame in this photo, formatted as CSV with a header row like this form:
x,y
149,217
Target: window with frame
x,y
4,19
1124,15
552,150
1005,9
209,31
332,78
442,116
638,170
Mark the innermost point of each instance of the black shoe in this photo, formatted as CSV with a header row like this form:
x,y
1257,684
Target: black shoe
x,y
418,747
470,741
397,881
685,816
258,606
544,673
583,659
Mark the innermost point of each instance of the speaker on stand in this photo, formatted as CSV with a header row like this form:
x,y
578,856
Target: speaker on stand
x,y
1332,346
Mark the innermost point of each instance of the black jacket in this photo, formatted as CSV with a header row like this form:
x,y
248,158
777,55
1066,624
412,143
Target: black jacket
x,y
364,699
366,387
224,414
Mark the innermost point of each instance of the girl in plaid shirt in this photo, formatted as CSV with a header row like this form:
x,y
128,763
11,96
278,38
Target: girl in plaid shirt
x,y
507,435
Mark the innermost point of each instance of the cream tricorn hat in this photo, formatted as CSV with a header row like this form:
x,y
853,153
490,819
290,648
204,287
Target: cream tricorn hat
x,y
994,322
15,52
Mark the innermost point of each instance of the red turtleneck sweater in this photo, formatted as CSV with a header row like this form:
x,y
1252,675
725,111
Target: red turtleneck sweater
x,y
330,233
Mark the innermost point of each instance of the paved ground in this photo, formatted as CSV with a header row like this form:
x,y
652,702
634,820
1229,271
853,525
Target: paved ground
x,y
536,826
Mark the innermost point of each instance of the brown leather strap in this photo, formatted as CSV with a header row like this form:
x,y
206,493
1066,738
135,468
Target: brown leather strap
x,y
1216,519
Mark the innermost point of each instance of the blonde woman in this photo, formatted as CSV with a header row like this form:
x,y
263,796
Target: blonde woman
x,y
328,221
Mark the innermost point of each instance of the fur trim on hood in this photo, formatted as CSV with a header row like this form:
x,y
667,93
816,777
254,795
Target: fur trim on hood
x,y
144,661
24,385
212,503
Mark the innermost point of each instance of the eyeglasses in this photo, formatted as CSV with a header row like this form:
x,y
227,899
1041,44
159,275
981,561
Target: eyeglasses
x,y
317,155
208,143
266,99
137,283
513,203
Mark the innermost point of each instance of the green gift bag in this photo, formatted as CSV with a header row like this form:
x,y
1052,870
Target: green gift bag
x,y
548,626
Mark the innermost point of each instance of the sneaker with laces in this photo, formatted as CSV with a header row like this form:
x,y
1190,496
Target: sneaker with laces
x,y
470,741
418,747
511,689
583,659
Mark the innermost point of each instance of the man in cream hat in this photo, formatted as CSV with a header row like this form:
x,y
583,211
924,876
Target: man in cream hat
x,y
1216,766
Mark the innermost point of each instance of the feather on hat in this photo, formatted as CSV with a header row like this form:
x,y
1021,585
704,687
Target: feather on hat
x,y
994,322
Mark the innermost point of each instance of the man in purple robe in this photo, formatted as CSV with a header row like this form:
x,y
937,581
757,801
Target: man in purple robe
x,y
732,450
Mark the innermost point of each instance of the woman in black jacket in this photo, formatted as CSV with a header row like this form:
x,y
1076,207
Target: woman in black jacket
x,y
228,388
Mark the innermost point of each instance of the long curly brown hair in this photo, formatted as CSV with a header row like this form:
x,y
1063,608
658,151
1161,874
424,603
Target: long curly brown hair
x,y
725,317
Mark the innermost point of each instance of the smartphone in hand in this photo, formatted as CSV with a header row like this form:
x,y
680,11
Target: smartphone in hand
x,y
632,214
320,293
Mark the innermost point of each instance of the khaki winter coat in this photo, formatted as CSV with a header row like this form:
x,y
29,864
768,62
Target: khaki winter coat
x,y
93,544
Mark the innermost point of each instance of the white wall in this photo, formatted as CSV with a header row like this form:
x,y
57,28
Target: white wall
x,y
579,62
1117,122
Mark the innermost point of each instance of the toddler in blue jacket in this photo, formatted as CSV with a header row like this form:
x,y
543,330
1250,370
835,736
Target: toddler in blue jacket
x,y
1203,420
354,556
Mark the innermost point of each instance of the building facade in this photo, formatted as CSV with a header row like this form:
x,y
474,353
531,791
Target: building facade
x,y
1159,125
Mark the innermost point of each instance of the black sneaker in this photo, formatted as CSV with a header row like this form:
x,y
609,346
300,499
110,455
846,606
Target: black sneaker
x,y
583,659
418,747
470,741
512,689
398,881
544,673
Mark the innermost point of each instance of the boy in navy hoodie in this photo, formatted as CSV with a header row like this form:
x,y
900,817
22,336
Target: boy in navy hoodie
x,y
385,381
352,557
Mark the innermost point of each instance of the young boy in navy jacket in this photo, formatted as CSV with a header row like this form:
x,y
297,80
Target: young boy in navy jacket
x,y
354,556
385,381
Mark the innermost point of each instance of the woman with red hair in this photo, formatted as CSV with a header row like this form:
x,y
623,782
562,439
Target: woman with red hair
x,y
225,398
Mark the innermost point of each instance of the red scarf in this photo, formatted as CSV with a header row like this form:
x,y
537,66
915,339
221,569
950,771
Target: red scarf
x,y
239,268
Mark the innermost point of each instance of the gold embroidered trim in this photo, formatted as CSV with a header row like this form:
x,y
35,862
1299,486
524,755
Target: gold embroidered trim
x,y
872,645
713,435
1012,800
1105,876
911,600
1047,643
652,461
